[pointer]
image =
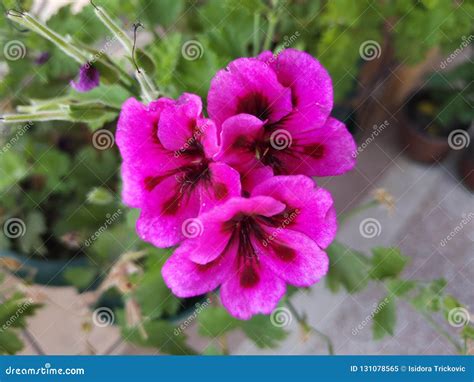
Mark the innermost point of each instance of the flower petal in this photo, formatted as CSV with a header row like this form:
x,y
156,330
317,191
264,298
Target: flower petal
x,y
186,278
143,155
248,86
251,288
324,151
310,84
206,248
293,256
178,121
238,136
309,209
224,183
164,212
88,79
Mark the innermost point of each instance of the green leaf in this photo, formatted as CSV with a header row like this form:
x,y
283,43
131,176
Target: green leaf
x,y
347,268
429,297
212,350
95,114
399,287
387,262
450,303
31,241
80,277
163,12
263,332
110,95
384,318
100,196
153,296
52,164
10,343
468,332
13,168
215,321
162,335
14,311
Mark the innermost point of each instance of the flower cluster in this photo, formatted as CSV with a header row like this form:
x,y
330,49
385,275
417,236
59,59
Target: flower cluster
x,y
241,177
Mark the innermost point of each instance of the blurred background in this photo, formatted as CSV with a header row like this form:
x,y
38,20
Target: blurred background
x,y
73,276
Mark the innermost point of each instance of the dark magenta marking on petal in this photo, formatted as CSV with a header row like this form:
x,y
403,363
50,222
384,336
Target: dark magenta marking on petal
x,y
171,206
154,134
249,276
240,142
255,104
315,150
284,252
294,98
220,191
152,181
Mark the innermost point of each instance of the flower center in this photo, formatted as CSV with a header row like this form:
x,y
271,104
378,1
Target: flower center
x,y
255,104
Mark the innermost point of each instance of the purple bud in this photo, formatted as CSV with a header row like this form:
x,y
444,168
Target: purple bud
x,y
88,78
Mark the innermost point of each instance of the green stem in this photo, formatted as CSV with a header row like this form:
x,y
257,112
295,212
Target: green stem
x,y
58,115
36,26
302,321
256,33
272,22
121,36
441,331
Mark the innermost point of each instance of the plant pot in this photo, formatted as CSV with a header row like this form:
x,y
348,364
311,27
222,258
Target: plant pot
x,y
466,168
44,271
420,146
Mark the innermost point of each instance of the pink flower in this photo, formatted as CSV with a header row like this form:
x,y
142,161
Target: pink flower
x,y
274,111
252,247
168,171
